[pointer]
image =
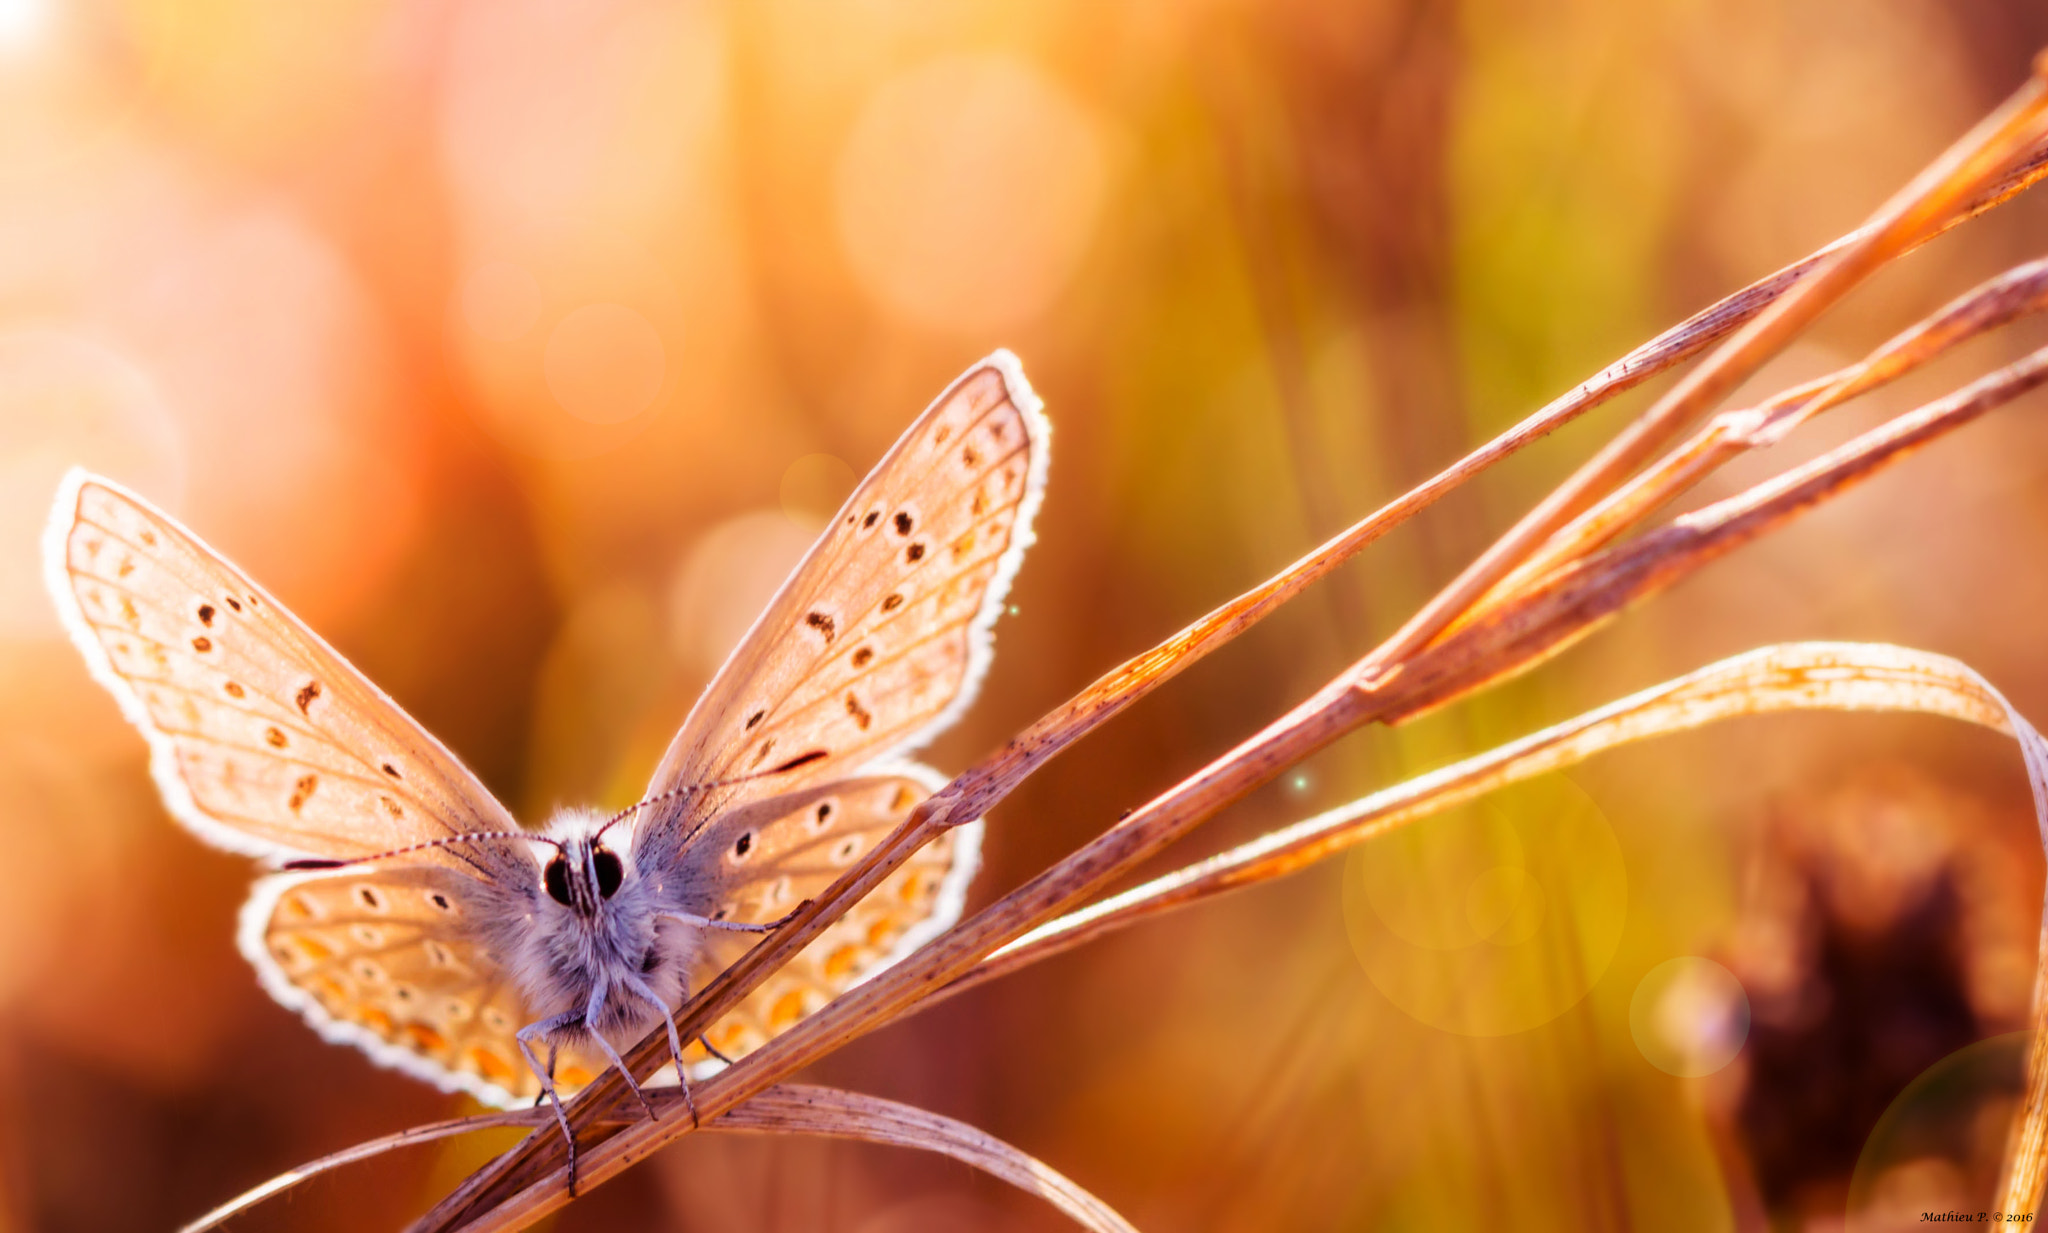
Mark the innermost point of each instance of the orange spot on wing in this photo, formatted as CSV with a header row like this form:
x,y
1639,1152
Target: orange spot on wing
x,y
424,1038
376,1020
489,1063
881,933
787,1010
575,1076
840,962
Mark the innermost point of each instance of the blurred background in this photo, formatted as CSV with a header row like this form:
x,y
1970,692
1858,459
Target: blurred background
x,y
521,346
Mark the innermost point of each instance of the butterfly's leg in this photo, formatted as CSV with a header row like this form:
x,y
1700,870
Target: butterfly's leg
x,y
590,1018
547,1027
706,1042
553,1048
675,1042
705,922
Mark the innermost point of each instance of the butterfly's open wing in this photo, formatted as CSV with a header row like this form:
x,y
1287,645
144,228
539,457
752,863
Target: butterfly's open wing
x,y
262,738
759,861
387,960
880,636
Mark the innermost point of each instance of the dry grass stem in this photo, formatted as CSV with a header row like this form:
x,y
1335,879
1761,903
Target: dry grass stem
x,y
1449,649
800,1109
1578,598
2018,292
1509,642
1916,212
1794,676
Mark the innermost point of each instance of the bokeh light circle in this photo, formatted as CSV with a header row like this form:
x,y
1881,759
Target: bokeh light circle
x,y
968,191
814,487
724,581
1941,1143
1689,1016
1495,917
605,363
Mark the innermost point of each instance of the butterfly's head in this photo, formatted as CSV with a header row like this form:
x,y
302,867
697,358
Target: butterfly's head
x,y
582,872
571,876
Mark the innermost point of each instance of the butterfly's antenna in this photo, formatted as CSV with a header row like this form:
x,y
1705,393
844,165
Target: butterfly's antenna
x,y
319,862
687,789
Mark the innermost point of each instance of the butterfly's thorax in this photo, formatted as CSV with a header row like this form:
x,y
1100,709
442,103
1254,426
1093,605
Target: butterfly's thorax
x,y
560,953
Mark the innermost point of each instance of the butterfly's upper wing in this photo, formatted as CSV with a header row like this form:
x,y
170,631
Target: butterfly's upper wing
x,y
880,636
390,960
262,738
797,844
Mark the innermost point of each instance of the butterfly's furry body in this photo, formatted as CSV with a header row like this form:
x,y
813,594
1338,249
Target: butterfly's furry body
x,y
627,948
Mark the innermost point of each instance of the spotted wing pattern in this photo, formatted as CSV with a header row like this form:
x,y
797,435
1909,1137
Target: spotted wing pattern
x,y
880,637
262,738
766,858
385,960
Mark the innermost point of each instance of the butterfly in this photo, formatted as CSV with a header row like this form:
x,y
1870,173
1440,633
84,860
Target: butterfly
x,y
414,918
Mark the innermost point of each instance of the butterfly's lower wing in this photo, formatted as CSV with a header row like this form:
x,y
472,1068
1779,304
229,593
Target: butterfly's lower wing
x,y
263,739
755,864
393,961
881,634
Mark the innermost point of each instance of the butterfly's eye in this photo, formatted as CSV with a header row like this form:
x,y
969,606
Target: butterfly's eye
x,y
609,871
556,879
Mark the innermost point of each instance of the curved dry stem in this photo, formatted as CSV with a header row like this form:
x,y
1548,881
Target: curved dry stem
x,y
2018,292
1582,596
1488,651
1791,677
794,1108
1339,708
1914,213
360,1152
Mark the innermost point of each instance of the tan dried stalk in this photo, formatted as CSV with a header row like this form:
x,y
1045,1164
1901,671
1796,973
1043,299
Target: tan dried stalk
x,y
1583,596
976,790
1914,213
1437,657
1800,676
790,1108
2016,293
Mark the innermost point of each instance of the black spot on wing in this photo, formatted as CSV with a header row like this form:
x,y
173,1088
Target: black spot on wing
x,y
804,759
307,693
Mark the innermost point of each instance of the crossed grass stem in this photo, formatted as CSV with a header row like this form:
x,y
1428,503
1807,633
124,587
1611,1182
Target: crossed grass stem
x,y
1459,648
